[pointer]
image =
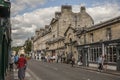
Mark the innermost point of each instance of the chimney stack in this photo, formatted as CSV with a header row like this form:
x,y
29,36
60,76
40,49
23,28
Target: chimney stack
x,y
66,8
82,9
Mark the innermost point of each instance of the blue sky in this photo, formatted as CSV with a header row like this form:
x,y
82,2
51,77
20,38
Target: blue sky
x,y
30,15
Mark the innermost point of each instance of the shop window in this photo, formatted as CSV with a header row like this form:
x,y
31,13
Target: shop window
x,y
94,54
111,54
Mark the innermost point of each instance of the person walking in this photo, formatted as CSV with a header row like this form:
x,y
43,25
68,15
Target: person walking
x,y
100,63
21,67
16,57
11,62
72,61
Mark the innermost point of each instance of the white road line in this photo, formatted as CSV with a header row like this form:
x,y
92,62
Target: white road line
x,y
33,74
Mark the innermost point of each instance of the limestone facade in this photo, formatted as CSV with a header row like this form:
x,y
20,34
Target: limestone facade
x,y
53,41
100,39
75,34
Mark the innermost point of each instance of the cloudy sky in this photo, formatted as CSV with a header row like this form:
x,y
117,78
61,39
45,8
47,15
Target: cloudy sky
x,y
29,15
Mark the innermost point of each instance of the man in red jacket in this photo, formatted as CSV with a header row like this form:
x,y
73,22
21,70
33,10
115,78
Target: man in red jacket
x,y
21,67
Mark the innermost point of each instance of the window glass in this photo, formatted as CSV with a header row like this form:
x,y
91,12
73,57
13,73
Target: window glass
x,y
94,53
114,54
111,53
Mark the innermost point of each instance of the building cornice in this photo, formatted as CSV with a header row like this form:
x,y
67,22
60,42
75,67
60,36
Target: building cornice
x,y
55,40
104,24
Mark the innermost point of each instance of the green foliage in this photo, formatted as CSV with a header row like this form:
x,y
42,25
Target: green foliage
x,y
27,46
16,48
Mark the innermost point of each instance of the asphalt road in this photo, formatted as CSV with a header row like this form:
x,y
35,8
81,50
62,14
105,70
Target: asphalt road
x,y
58,71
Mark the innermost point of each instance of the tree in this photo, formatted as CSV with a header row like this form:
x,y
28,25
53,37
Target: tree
x,y
16,48
27,46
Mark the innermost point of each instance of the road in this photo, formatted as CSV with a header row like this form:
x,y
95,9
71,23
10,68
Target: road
x,y
60,71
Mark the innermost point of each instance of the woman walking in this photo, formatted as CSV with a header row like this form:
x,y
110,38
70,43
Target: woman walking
x,y
100,63
21,67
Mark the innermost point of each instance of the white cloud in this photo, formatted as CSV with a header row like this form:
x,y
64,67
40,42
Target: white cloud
x,y
104,12
24,26
101,12
22,5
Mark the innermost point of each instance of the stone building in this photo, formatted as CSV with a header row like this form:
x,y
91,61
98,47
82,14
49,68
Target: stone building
x,y
74,34
52,41
100,39
89,43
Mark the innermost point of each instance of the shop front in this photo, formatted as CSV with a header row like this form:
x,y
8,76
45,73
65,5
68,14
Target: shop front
x,y
89,53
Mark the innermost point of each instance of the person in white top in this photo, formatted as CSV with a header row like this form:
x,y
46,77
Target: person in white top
x,y
11,62
100,63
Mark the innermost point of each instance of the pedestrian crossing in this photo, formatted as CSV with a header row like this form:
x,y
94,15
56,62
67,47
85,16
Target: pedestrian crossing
x,y
27,75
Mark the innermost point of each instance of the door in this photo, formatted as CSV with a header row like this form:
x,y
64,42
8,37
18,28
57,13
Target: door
x,y
118,58
85,56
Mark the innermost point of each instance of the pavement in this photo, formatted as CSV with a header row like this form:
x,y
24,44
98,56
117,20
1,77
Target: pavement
x,y
12,75
113,72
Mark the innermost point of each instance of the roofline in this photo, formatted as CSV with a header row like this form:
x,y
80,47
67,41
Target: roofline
x,y
105,23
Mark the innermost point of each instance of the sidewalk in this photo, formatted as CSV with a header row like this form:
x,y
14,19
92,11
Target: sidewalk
x,y
95,69
10,75
13,75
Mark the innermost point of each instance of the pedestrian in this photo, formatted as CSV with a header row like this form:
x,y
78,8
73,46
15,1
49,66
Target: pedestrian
x,y
16,57
100,63
48,58
11,62
21,67
72,61
80,60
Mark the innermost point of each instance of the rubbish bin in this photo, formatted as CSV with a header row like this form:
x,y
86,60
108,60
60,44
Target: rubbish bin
x,y
118,64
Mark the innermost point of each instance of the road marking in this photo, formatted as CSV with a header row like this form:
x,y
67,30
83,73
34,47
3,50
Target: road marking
x,y
33,74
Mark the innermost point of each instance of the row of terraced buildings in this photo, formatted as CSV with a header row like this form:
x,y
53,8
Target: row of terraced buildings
x,y
76,34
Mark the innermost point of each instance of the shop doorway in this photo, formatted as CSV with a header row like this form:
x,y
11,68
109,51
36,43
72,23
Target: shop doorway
x,y
83,55
118,58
